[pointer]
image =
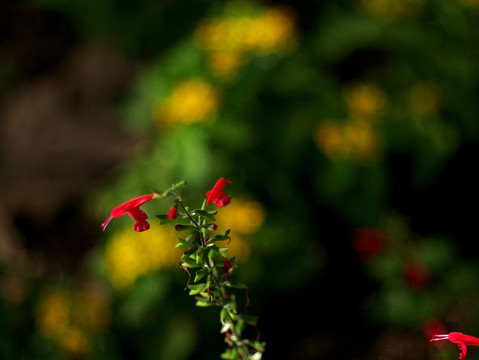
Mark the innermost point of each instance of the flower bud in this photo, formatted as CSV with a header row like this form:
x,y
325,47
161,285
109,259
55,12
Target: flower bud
x,y
173,212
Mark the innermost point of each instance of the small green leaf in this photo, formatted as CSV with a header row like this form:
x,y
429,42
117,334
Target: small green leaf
x,y
237,285
199,256
181,246
203,213
203,302
186,261
223,251
212,252
221,236
182,227
197,288
200,274
223,316
182,243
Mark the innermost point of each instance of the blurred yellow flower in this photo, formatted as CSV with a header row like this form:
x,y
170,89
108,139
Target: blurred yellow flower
x,y
352,139
130,254
243,218
272,31
364,101
424,99
72,319
390,9
231,38
191,101
471,3
225,63
329,138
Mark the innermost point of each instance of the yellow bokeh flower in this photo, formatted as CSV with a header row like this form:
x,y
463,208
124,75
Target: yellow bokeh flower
x,y
364,101
71,319
74,341
391,9
362,141
243,218
231,39
329,139
225,63
130,254
351,139
191,101
471,3
53,313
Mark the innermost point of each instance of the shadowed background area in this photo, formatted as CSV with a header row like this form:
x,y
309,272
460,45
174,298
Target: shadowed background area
x,y
349,129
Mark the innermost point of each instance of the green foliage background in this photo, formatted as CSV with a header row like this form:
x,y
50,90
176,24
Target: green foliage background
x,y
316,297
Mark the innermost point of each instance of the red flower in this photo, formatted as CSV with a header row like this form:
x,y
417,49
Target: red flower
x,y
226,268
417,274
460,340
172,213
216,195
132,208
368,242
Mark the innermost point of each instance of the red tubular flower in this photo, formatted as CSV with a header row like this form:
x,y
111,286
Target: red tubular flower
x,y
226,268
172,213
132,208
460,340
216,195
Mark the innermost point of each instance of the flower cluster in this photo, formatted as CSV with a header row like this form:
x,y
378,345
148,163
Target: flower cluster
x,y
191,101
356,136
230,39
72,319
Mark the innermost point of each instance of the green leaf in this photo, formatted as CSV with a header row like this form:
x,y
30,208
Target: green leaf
x,y
203,302
182,227
197,288
223,251
192,237
186,261
237,285
199,256
182,243
200,274
203,213
212,252
221,236
223,316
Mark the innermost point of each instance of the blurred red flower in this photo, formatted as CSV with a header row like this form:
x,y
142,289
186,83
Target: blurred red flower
x,y
216,195
226,268
132,208
460,339
417,274
368,241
